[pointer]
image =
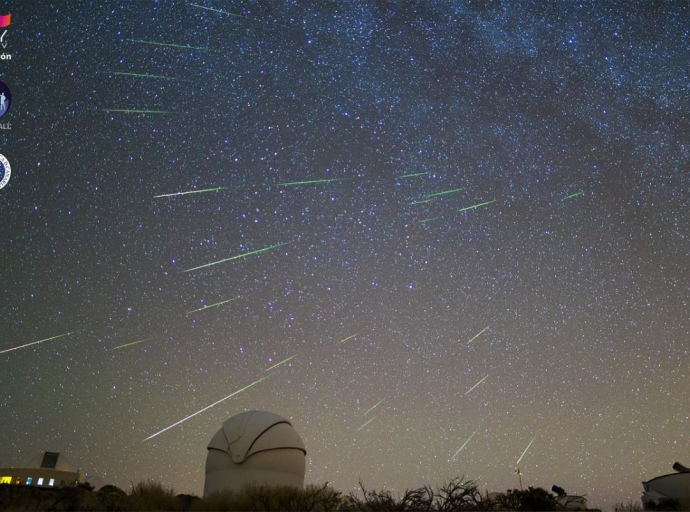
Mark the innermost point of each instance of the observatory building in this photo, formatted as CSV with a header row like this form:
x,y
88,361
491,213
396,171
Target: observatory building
x,y
665,490
254,447
47,469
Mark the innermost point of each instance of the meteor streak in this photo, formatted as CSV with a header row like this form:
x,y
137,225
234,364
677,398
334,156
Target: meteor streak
x,y
308,182
411,175
523,453
477,335
219,11
576,194
237,257
208,407
474,206
465,444
212,305
35,342
142,75
372,419
172,45
216,189
424,221
282,362
129,344
348,338
444,192
477,384
374,407
422,201
136,111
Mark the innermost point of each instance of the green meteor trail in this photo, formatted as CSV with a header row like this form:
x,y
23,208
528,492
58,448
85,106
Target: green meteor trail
x,y
35,342
136,111
411,175
142,75
308,182
172,45
129,344
282,362
576,194
424,221
422,201
374,407
465,444
444,192
219,11
474,206
209,406
212,305
216,189
523,453
239,256
477,335
372,419
348,338
477,384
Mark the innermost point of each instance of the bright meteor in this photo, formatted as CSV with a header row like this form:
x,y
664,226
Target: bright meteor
x,y
477,384
216,189
282,362
372,419
444,192
465,444
35,343
475,206
374,407
348,338
212,305
308,182
218,11
478,335
237,257
142,75
523,453
576,194
130,344
411,175
135,111
208,407
172,45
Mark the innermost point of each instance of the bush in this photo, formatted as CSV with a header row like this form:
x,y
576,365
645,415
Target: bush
x,y
151,496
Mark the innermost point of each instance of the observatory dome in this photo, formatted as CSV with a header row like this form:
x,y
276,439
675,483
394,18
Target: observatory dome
x,y
51,460
254,447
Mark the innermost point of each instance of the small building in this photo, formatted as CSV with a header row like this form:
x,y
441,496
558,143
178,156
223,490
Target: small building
x,y
254,447
47,469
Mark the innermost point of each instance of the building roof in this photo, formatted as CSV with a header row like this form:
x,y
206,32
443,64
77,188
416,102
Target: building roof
x,y
251,432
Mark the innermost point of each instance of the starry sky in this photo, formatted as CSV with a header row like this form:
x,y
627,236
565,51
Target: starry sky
x,y
497,195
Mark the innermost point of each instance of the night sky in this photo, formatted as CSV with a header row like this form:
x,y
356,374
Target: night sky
x,y
497,193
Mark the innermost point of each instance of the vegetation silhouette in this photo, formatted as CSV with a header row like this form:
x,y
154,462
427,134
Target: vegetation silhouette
x,y
456,495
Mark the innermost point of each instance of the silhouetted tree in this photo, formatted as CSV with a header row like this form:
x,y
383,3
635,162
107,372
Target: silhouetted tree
x,y
529,499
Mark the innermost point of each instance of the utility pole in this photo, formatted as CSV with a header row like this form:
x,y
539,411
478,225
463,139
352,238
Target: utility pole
x,y
519,474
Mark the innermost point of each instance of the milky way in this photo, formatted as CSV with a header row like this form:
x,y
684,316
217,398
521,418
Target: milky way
x,y
456,191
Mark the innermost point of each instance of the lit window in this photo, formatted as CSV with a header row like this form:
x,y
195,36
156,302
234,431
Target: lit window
x,y
29,480
5,479
52,482
40,481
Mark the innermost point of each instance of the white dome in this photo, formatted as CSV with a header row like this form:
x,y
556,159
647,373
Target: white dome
x,y
256,447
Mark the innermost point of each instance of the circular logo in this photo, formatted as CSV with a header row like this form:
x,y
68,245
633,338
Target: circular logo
x,y
5,98
6,171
